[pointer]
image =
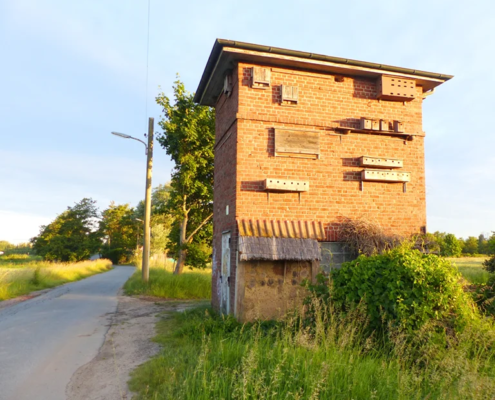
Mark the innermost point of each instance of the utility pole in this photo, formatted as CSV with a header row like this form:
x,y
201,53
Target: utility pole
x,y
147,203
147,198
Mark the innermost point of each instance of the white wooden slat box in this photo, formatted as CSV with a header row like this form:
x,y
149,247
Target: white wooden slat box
x,y
385,176
286,185
380,162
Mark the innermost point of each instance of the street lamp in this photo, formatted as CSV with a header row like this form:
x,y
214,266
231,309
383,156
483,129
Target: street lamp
x,y
123,135
147,197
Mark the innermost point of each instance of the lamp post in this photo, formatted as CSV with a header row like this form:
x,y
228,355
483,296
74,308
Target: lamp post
x,y
147,197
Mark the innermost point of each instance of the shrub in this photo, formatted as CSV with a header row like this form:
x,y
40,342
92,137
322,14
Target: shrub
x,y
366,237
484,296
402,288
489,264
426,243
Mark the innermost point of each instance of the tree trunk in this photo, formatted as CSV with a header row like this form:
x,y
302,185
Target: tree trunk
x,y
182,241
179,267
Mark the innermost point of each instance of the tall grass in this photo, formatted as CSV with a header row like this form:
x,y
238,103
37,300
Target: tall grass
x,y
18,279
471,268
18,259
206,356
156,261
163,283
191,284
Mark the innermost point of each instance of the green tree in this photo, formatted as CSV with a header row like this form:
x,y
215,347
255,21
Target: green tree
x,y
188,138
482,244
470,245
451,246
4,245
490,244
72,236
161,220
159,200
160,230
119,230
21,248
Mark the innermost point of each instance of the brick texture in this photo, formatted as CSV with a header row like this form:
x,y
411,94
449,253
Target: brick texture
x,y
244,157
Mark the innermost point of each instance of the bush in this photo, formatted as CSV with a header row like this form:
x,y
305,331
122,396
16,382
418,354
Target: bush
x,y
402,288
484,296
366,237
426,243
489,264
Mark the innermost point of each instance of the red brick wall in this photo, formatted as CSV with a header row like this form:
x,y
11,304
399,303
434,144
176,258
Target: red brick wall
x,y
224,193
244,157
334,178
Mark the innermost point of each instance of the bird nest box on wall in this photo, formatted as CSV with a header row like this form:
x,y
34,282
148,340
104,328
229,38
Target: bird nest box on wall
x,y
303,141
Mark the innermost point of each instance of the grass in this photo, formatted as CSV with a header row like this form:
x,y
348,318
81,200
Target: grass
x,y
206,356
18,259
156,261
471,268
191,284
20,276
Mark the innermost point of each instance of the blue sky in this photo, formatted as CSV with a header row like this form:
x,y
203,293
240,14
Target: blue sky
x,y
71,72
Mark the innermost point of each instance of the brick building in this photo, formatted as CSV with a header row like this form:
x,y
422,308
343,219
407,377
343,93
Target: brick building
x,y
303,141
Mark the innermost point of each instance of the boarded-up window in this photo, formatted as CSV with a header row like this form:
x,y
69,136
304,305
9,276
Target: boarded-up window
x,y
290,94
261,77
289,143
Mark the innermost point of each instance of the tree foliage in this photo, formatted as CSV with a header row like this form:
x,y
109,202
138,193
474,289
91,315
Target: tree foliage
x,y
188,138
119,230
450,246
161,220
21,248
490,244
4,245
482,244
471,246
72,236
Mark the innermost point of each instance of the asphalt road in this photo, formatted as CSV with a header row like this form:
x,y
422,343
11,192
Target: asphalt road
x,y
43,341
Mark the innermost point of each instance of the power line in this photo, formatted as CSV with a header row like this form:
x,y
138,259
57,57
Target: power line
x,y
147,60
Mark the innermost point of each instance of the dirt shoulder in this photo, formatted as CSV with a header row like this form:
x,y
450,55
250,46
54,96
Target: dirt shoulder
x,y
20,299
127,345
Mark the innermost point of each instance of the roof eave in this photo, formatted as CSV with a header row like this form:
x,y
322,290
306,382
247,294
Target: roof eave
x,y
274,55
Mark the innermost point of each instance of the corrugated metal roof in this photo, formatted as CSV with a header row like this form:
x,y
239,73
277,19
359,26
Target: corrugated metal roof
x,y
282,229
276,249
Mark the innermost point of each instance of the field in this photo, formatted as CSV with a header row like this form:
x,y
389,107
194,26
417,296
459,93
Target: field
x,y
471,268
20,275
